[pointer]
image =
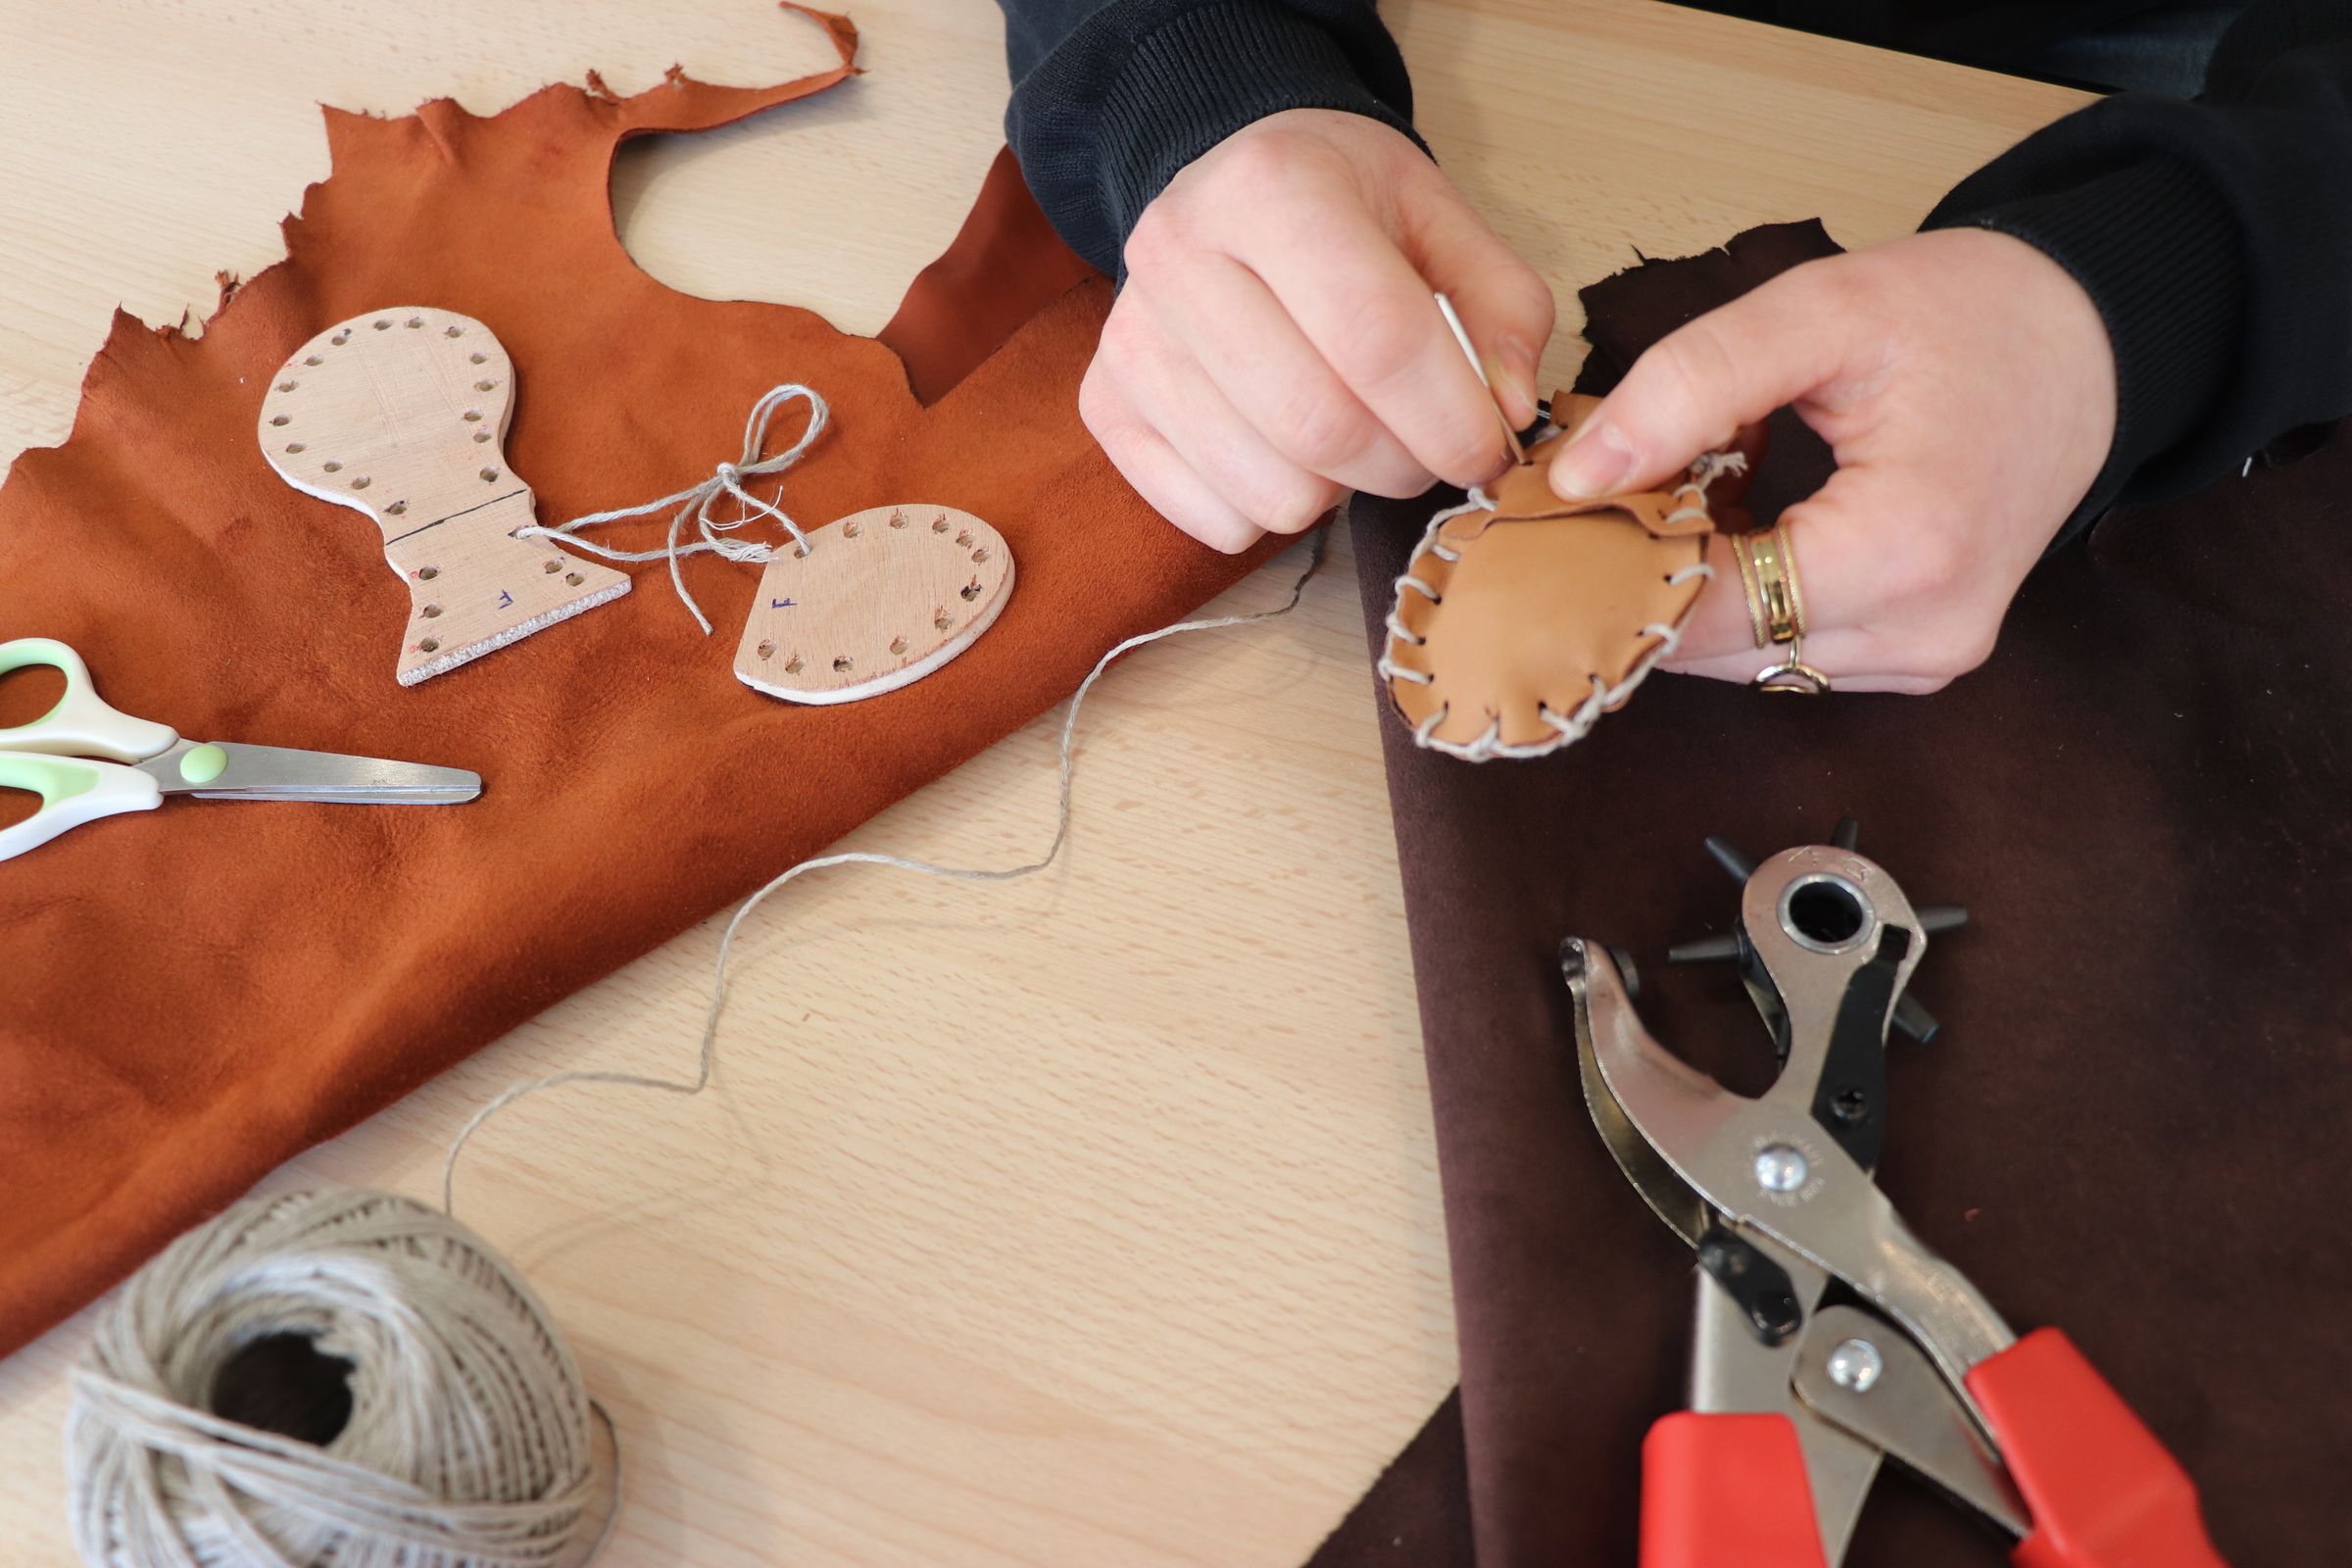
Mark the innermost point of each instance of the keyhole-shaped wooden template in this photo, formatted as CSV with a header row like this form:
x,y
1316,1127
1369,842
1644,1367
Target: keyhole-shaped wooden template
x,y
401,414
879,599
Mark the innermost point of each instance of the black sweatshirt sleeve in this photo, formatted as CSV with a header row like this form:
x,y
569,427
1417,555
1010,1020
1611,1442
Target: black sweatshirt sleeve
x,y
2216,238
1111,97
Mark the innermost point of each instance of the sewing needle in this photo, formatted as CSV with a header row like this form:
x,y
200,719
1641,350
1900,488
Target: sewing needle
x,y
1462,335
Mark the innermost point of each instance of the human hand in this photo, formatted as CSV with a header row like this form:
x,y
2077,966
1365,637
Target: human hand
x,y
1966,384
1276,344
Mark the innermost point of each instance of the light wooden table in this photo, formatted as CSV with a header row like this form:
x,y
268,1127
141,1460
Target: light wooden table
x,y
1090,1220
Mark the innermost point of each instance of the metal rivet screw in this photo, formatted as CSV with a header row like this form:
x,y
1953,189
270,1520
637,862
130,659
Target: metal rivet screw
x,y
1855,1365
1781,1168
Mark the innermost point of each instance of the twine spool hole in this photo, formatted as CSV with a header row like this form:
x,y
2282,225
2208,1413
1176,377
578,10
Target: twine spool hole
x,y
350,1377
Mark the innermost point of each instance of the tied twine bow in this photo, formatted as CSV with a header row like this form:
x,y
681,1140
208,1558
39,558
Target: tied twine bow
x,y
696,501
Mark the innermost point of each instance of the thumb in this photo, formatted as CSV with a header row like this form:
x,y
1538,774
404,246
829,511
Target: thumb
x,y
1698,384
1504,304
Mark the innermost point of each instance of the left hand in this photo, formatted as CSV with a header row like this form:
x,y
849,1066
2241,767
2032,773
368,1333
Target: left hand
x,y
1966,384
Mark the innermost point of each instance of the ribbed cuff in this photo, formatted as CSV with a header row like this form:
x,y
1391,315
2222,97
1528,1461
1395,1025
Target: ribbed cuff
x,y
1207,73
1142,88
2157,250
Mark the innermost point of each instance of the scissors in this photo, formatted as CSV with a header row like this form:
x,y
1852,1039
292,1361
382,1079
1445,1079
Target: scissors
x,y
145,761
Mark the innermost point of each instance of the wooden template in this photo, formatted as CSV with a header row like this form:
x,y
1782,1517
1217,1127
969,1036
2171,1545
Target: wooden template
x,y
402,414
879,599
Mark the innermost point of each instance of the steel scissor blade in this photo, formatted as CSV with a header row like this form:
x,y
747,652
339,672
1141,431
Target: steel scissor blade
x,y
283,773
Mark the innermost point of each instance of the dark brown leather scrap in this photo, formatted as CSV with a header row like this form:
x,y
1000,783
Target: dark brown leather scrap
x,y
2132,1123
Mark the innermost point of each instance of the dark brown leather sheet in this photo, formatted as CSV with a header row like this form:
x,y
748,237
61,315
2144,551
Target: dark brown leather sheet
x,y
2133,1123
191,994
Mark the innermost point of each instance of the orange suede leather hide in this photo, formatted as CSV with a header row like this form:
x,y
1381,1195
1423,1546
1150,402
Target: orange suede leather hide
x,y
188,996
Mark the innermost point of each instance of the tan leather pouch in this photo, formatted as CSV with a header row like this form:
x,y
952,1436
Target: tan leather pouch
x,y
1522,617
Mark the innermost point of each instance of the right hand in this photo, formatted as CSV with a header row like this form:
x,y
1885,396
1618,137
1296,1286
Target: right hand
x,y
1276,345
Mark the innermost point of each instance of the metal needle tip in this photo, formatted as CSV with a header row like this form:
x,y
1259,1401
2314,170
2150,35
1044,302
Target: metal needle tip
x,y
1462,335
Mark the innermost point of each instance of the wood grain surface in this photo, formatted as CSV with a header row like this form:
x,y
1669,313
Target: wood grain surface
x,y
1087,1220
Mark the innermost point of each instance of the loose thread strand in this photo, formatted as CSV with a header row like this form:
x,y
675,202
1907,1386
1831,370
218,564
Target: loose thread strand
x,y
707,1055
697,500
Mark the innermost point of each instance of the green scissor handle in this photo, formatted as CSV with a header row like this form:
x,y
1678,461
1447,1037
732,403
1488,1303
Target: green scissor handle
x,y
43,757
72,792
80,725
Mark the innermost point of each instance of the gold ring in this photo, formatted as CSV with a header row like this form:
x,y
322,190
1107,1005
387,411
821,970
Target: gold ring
x,y
1776,601
1748,587
1793,675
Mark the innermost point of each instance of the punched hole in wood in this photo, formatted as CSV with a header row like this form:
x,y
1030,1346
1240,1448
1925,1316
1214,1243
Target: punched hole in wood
x,y
333,466
476,359
361,483
288,386
296,446
415,321
315,359
767,650
842,666
941,622
791,665
551,567
897,520
282,418
429,611
939,525
897,645
471,416
431,644
849,530
489,475
428,573
383,327
396,508
574,579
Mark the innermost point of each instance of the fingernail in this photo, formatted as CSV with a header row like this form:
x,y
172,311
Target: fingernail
x,y
1514,377
1595,462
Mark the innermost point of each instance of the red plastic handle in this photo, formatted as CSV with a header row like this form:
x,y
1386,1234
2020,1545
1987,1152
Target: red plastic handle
x,y
2103,1491
1726,1492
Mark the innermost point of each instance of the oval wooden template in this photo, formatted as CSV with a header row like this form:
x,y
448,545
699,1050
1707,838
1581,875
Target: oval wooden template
x,y
879,599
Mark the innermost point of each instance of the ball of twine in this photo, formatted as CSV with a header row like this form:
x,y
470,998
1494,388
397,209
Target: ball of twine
x,y
458,1436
